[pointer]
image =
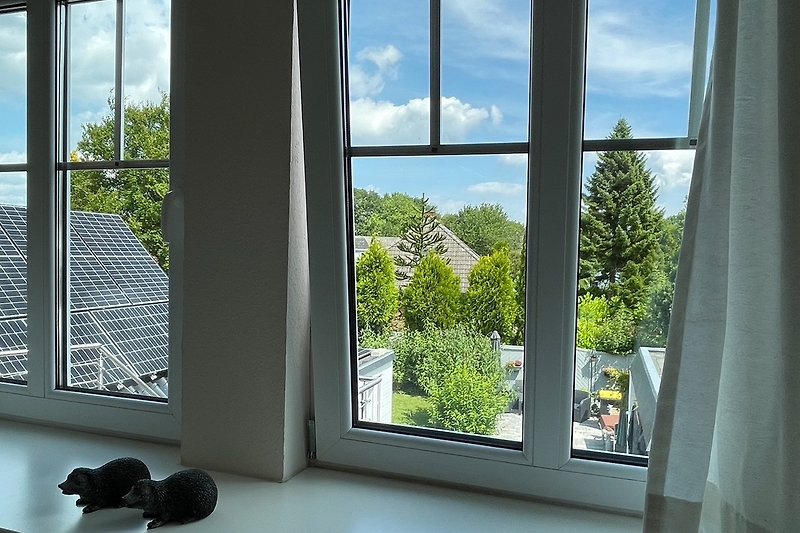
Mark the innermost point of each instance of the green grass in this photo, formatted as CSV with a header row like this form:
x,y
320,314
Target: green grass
x,y
410,410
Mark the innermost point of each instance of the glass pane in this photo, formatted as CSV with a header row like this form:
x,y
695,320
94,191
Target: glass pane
x,y
639,65
632,218
485,71
91,48
118,285
13,55
439,292
389,72
147,53
13,278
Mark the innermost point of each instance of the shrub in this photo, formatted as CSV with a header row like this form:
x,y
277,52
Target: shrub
x,y
490,302
432,297
376,291
605,326
467,401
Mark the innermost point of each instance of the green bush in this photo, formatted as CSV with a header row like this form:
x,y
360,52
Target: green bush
x,y
467,401
490,302
433,296
605,326
376,291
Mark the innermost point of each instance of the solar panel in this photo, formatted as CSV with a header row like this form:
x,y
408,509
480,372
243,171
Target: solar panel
x,y
119,324
122,255
13,337
14,221
90,285
140,333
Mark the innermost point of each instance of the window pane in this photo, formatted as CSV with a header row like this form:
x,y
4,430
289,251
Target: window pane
x,y
13,54
389,72
485,71
147,53
632,218
435,278
639,65
118,285
91,56
13,278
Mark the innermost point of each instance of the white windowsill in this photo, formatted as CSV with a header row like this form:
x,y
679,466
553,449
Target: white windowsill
x,y
35,459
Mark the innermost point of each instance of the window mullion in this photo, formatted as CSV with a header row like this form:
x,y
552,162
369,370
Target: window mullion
x,y
557,73
119,96
435,73
41,274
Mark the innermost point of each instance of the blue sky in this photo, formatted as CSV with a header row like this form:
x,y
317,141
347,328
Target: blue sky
x,y
639,61
639,67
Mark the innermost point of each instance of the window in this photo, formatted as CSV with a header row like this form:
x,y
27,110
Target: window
x,y
411,126
90,233
116,158
13,269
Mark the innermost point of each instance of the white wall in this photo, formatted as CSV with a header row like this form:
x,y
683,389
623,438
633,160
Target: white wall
x,y
245,345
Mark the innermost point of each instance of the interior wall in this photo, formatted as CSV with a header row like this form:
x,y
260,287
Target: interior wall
x,y
238,157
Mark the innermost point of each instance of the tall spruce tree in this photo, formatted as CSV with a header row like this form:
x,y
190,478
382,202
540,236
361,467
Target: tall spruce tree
x,y
620,226
421,236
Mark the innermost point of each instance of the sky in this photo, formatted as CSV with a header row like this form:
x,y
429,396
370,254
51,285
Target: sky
x,y
638,67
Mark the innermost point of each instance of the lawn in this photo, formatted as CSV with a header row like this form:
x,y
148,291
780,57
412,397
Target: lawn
x,y
409,409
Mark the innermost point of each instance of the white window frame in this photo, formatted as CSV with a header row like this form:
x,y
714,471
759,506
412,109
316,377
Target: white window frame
x,y
39,399
544,467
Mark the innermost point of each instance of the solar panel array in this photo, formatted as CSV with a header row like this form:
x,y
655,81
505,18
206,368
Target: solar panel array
x,y
118,302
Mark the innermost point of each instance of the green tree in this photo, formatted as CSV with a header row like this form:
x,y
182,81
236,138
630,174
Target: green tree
x,y
420,237
653,329
520,286
490,303
134,194
377,296
483,227
433,295
385,216
620,226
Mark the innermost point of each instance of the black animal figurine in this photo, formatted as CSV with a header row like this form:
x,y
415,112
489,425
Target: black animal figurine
x,y
183,497
104,487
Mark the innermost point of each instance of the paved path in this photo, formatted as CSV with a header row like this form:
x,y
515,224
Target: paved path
x,y
586,435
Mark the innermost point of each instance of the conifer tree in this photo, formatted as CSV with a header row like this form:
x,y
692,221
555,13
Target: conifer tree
x,y
377,296
433,297
620,226
491,299
420,237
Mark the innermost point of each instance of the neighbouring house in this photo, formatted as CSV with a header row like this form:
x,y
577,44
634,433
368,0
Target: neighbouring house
x,y
375,372
118,303
459,255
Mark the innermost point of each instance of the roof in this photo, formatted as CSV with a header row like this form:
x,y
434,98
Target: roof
x,y
460,256
118,303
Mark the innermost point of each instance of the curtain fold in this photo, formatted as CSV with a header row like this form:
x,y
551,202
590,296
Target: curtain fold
x,y
725,455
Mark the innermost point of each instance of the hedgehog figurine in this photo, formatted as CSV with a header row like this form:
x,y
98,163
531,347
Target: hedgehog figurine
x,y
183,497
104,487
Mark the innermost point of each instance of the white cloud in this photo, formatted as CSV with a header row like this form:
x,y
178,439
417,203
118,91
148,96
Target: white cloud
x,y
12,58
629,56
672,168
13,156
514,160
385,59
13,188
502,188
381,122
487,29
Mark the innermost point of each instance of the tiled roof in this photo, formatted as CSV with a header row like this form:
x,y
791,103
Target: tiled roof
x,y
460,256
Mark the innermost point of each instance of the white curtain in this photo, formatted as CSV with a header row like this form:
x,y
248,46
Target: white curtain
x,y
725,455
